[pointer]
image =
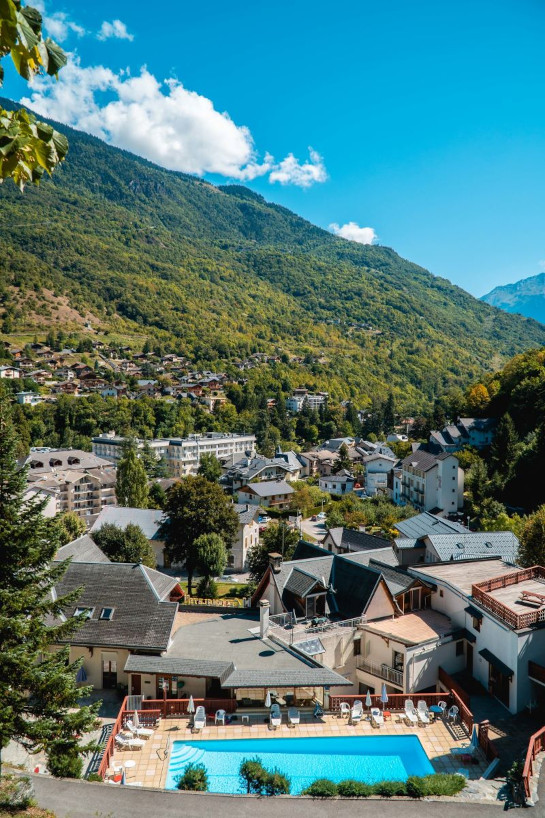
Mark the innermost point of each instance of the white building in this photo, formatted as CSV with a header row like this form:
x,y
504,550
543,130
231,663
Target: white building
x,y
430,482
247,536
181,454
28,398
377,469
295,402
10,372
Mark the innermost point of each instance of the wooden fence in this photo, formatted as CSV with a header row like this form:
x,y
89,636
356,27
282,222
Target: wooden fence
x,y
535,746
481,593
452,684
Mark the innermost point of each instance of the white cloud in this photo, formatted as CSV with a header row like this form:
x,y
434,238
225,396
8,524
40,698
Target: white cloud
x,y
116,30
291,172
353,232
58,25
164,122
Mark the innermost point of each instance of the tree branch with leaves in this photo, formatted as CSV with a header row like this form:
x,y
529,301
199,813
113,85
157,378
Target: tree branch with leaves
x,y
28,147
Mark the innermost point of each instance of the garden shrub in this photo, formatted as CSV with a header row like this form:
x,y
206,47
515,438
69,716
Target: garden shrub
x,y
443,783
207,588
194,778
322,788
64,761
94,777
277,784
354,789
387,789
416,787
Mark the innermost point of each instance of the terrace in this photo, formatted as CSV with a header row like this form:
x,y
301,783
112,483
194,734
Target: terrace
x,y
517,598
151,763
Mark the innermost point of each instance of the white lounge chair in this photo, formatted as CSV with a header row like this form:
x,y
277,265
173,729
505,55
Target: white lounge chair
x,y
138,731
199,719
422,712
356,714
411,716
129,743
453,714
345,710
220,717
293,717
377,717
464,750
275,719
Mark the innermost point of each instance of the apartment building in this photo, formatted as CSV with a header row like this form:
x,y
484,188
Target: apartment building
x,y
80,481
182,455
314,400
430,482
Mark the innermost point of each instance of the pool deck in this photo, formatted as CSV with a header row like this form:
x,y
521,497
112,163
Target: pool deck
x,y
151,762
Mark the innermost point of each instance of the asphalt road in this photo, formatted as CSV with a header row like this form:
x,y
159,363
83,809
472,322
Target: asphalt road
x,y
81,799
316,530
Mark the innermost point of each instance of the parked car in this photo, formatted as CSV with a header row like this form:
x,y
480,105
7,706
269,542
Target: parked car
x,y
313,518
321,516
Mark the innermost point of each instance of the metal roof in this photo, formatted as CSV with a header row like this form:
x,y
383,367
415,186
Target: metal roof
x,y
475,545
423,524
300,583
177,666
304,677
148,519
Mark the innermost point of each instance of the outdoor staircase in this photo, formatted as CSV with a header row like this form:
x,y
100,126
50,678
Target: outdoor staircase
x,y
96,758
183,756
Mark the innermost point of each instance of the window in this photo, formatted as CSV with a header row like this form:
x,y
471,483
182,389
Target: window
x,y
476,623
107,613
440,592
459,648
357,647
86,613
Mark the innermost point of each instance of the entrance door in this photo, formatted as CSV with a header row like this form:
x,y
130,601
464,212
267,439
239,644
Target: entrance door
x,y
109,673
136,686
469,658
498,685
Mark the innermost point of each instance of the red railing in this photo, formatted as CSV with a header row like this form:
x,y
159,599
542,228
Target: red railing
x,y
452,684
535,746
146,718
110,744
465,714
481,593
174,708
536,671
485,742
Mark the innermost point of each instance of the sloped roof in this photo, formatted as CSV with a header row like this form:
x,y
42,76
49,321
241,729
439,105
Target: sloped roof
x,y
421,460
83,549
386,556
268,488
148,519
301,583
178,666
140,620
397,579
475,545
303,677
353,586
246,512
356,540
423,524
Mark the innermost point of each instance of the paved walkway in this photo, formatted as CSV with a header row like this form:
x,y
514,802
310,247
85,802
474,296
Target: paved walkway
x,y
80,799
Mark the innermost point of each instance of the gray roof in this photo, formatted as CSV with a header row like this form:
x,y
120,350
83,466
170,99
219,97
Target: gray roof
x,y
386,556
426,523
64,459
140,619
475,545
160,583
423,460
356,540
268,488
303,677
337,478
177,666
397,579
300,583
246,512
148,519
84,549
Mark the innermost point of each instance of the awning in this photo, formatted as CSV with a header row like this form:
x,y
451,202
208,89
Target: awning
x,y
463,633
473,612
496,663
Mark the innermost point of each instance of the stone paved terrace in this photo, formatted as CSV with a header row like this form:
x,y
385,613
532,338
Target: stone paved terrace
x,y
152,760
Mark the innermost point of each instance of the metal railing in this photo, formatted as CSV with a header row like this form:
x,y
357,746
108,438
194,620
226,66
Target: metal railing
x,y
383,671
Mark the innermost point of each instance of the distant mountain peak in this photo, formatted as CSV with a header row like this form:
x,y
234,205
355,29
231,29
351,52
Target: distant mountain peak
x,y
526,297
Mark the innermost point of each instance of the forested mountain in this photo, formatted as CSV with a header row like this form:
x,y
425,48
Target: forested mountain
x,y
218,273
526,297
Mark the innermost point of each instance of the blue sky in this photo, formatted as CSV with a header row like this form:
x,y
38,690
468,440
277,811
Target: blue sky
x,y
426,118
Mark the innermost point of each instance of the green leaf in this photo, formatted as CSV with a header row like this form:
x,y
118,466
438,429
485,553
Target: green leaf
x,y
61,144
8,12
33,18
25,33
57,57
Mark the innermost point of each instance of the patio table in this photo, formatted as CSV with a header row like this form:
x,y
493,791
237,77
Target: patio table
x,y
436,710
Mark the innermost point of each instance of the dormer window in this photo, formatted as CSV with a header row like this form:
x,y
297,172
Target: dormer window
x,y
85,613
107,613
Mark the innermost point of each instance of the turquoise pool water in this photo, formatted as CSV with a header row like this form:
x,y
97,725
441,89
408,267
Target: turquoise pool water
x,y
303,760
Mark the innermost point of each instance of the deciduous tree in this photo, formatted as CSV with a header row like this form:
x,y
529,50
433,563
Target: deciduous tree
x,y
131,486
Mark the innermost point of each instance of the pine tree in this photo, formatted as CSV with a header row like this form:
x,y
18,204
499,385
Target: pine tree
x,y
131,486
38,692
388,417
532,540
503,452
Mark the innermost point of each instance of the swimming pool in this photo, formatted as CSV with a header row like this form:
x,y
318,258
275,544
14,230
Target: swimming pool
x,y
303,760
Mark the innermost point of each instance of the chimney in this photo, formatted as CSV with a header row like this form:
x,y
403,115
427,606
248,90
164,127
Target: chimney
x,y
263,618
275,562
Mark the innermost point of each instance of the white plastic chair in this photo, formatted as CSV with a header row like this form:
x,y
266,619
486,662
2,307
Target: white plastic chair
x,y
345,710
220,717
453,714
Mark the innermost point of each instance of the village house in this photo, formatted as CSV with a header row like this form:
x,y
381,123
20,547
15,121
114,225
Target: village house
x,y
338,485
430,483
269,493
475,432
10,372
247,536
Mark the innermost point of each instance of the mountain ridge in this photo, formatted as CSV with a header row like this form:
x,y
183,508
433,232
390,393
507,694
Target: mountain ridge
x,y
525,297
219,272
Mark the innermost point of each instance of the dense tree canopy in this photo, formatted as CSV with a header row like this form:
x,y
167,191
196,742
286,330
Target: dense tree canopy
x,y
128,544
131,488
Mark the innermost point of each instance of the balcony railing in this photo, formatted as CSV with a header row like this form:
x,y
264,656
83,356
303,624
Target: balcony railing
x,y
389,674
481,593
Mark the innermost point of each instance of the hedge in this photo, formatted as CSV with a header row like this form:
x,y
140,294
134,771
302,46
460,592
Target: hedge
x,y
414,787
